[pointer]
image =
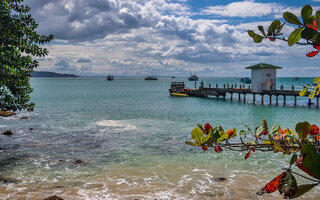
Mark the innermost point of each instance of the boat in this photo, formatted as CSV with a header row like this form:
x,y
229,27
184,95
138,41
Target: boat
x,y
151,78
296,78
178,88
110,78
247,80
193,77
173,77
179,94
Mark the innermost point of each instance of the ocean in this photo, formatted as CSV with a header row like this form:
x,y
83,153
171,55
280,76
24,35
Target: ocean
x,y
89,138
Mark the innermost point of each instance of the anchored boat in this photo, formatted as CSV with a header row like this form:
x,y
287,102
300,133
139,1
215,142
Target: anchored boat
x,y
110,78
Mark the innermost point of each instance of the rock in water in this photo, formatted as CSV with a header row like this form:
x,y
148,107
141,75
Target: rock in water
x,y
7,132
53,198
6,113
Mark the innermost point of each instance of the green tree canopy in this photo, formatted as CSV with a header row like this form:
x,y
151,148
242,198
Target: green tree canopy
x,y
19,45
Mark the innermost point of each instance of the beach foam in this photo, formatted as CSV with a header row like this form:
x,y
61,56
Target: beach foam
x,y
118,125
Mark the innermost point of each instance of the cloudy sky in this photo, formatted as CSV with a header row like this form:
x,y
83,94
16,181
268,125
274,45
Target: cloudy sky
x,y
167,37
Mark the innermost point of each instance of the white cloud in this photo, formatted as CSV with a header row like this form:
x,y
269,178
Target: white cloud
x,y
244,9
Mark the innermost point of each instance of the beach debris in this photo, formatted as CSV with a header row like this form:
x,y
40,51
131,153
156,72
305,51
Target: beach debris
x,y
7,132
53,198
6,113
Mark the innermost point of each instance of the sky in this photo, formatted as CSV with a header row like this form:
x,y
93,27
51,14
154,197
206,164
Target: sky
x,y
167,37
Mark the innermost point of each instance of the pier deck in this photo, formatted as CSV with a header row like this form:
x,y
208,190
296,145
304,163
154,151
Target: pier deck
x,y
241,91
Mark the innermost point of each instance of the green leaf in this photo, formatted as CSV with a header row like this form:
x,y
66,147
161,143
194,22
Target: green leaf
x,y
303,189
259,130
306,13
293,160
261,29
192,143
273,27
316,80
256,38
206,138
243,132
288,185
312,94
197,135
311,159
275,128
291,18
279,29
223,137
303,92
201,127
251,33
303,129
308,33
295,36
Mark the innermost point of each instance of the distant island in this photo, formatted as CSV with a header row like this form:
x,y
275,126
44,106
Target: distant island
x,y
44,74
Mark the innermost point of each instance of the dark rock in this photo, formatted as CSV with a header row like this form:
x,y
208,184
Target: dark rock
x,y
24,117
7,132
6,113
220,179
31,129
78,161
53,198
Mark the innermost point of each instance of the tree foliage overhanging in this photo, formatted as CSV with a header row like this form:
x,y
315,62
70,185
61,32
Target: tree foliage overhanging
x,y
303,142
19,44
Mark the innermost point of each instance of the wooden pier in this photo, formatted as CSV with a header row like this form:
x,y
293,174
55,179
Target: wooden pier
x,y
242,91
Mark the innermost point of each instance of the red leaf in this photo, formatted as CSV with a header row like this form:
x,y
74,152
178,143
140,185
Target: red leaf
x,y
217,149
204,147
272,185
248,154
314,130
272,39
300,166
312,53
316,47
253,150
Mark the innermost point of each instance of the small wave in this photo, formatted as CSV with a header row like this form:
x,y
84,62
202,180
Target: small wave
x,y
117,125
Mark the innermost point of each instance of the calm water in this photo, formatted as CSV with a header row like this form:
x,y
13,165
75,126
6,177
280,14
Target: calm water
x,y
130,136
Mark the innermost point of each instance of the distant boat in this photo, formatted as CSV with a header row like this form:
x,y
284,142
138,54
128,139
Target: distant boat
x,y
173,77
247,80
193,77
151,78
110,78
296,78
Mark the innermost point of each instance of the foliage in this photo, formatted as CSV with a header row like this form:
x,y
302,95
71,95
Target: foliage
x,y
307,32
19,44
303,141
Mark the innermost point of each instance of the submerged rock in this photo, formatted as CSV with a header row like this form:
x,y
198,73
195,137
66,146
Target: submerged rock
x,y
6,113
220,179
7,132
53,198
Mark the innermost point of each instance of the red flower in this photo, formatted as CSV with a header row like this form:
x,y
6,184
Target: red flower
x,y
207,127
314,130
247,155
312,53
217,149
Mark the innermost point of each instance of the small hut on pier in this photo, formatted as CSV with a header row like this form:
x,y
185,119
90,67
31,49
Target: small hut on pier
x,y
263,77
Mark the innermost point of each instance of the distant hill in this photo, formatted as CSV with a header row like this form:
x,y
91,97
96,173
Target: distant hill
x,y
50,75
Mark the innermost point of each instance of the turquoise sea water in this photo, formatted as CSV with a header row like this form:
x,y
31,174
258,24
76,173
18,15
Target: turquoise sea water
x,y
130,136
